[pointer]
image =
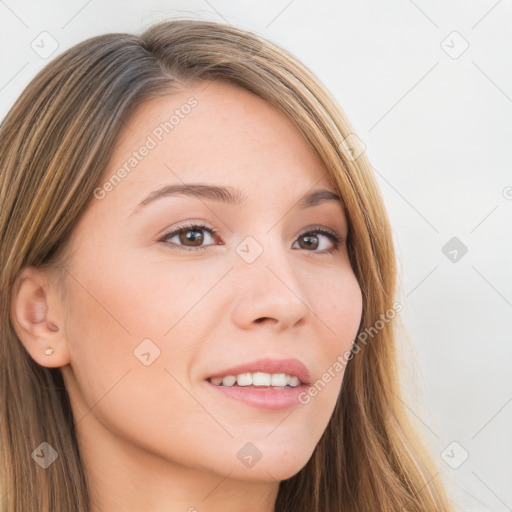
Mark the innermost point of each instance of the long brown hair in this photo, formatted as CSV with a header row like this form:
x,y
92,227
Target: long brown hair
x,y
54,145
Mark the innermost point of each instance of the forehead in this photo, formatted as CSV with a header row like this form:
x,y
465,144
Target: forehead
x,y
212,133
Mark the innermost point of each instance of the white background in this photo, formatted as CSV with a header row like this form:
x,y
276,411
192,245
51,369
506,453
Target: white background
x,y
437,129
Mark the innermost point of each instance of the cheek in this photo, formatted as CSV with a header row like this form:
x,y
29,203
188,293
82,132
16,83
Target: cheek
x,y
338,308
122,363
152,294
126,308
336,301
338,305
135,296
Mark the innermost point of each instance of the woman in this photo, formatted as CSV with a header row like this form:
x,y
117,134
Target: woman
x,y
194,251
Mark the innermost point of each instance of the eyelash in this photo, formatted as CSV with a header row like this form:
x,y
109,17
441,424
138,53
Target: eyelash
x,y
194,225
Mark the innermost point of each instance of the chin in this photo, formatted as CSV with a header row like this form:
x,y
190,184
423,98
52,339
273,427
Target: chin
x,y
270,464
269,472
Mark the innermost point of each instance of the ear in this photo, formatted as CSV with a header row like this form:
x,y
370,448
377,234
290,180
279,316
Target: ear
x,y
38,315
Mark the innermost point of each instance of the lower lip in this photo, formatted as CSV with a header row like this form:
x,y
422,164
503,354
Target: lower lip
x,y
262,398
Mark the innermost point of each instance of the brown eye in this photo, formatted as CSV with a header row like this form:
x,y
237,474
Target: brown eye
x,y
194,236
310,241
315,239
190,237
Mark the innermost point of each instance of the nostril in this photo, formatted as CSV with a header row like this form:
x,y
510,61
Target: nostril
x,y
262,319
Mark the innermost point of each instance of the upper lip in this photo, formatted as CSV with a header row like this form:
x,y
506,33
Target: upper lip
x,y
290,366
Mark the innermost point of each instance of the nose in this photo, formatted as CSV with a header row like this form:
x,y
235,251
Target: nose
x,y
268,291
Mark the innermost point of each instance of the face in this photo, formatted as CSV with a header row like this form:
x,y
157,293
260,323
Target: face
x,y
165,294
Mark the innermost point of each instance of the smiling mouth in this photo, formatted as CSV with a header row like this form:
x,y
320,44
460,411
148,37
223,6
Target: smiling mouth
x,y
270,392
257,380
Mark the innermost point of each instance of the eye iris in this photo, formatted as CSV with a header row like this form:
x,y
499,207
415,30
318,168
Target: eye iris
x,y
196,237
311,241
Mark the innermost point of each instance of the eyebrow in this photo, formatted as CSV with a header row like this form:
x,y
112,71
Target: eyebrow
x,y
230,195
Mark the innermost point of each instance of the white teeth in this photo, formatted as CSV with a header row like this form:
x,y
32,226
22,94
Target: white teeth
x,y
244,379
257,379
292,381
228,380
278,379
260,379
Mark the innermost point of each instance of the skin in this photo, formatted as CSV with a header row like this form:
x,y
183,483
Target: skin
x,y
155,437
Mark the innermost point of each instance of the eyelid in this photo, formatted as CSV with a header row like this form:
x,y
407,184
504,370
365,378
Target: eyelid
x,y
189,225
321,229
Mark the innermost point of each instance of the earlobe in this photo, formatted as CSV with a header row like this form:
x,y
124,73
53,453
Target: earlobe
x,y
36,314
